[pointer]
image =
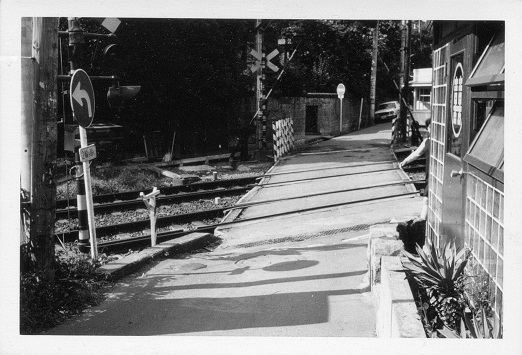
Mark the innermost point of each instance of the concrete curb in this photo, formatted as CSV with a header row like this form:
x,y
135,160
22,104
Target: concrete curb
x,y
397,315
130,263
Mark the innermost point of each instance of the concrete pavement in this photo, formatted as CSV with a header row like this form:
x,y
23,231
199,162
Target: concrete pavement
x,y
300,273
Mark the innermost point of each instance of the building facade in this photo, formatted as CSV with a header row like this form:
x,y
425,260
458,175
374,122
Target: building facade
x,y
466,177
421,85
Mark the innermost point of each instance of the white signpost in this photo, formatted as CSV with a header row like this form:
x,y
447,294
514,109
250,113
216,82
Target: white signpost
x,y
340,93
82,104
150,202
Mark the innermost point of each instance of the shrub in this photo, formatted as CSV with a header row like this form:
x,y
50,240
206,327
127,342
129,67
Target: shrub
x,y
474,324
76,286
138,180
441,273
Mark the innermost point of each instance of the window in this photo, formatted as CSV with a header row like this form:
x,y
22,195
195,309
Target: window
x,y
482,110
386,106
423,102
486,153
484,233
490,67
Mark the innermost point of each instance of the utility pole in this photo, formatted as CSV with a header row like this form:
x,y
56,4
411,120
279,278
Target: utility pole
x,y
373,80
28,74
40,122
261,95
405,77
259,83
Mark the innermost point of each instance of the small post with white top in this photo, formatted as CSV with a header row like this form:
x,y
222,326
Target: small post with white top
x,y
150,202
340,93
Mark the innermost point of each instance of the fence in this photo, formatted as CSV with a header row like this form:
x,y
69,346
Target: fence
x,y
283,137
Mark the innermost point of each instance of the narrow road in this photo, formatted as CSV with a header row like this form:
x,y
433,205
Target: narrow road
x,y
312,287
294,275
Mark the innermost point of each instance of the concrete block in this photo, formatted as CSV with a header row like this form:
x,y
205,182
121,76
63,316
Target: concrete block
x,y
382,242
397,315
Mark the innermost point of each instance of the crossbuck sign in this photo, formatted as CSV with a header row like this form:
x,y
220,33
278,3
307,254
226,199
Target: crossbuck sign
x,y
269,57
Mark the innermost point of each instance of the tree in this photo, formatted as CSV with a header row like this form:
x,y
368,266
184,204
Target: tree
x,y
192,71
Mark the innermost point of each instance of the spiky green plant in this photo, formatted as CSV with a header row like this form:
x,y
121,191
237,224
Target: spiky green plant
x,y
474,326
440,271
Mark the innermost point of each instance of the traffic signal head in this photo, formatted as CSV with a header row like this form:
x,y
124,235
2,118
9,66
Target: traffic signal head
x,y
119,95
113,58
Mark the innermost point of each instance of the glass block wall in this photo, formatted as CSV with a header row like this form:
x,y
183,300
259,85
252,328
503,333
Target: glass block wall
x,y
438,137
484,231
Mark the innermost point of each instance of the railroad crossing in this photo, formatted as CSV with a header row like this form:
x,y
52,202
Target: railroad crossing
x,y
295,267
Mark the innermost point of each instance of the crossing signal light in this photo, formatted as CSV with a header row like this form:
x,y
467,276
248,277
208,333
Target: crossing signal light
x,y
118,96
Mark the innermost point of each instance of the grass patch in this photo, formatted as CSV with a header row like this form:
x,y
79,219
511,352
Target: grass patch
x,y
112,179
76,287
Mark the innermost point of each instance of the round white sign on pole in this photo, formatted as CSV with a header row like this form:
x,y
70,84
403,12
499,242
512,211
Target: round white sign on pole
x,y
340,91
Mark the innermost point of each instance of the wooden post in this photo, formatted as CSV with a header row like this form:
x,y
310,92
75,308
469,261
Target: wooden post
x,y
28,81
43,150
360,113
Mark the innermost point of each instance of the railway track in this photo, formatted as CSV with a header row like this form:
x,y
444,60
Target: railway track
x,y
191,188
144,240
197,198
136,233
137,203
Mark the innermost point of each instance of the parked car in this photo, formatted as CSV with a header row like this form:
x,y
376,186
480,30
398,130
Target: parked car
x,y
387,111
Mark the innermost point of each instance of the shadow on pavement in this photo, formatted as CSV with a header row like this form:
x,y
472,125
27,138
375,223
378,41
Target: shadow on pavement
x,y
192,315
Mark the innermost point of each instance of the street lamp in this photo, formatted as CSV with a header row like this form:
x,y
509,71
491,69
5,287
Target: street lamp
x,y
340,93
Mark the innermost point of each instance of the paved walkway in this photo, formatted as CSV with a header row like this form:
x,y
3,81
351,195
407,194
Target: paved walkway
x,y
301,273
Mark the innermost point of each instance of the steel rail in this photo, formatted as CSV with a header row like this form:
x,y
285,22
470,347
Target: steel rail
x,y
363,150
164,200
145,223
322,207
145,239
167,235
257,203
176,234
129,195
414,167
328,168
324,177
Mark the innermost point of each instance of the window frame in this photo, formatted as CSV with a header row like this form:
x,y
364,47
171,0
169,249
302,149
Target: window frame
x,y
493,78
493,170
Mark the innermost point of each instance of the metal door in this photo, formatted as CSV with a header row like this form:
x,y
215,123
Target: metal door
x,y
311,119
458,117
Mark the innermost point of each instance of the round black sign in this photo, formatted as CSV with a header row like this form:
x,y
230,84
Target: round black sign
x,y
82,98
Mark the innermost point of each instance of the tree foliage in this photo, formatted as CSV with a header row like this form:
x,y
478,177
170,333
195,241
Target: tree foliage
x,y
192,71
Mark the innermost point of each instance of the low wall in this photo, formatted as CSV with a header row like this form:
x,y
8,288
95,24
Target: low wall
x,y
397,315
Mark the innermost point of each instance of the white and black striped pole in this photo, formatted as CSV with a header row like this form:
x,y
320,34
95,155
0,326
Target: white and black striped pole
x,y
81,207
394,130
